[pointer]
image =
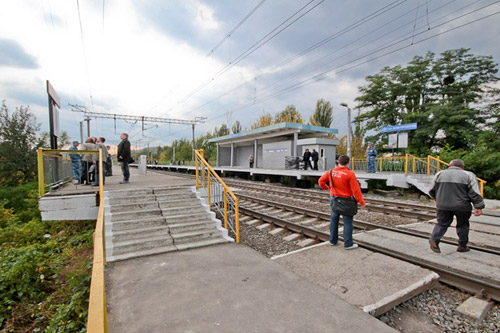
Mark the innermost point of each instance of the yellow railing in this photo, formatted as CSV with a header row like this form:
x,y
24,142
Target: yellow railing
x,y
226,203
97,314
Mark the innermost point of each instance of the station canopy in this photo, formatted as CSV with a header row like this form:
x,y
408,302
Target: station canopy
x,y
284,129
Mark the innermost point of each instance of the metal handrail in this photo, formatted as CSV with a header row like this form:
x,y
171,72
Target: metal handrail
x,y
97,314
208,175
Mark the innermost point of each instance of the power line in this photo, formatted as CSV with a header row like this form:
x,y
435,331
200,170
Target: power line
x,y
85,53
250,50
235,28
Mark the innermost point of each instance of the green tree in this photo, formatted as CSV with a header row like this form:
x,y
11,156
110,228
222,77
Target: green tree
x,y
289,114
264,120
18,144
323,115
444,95
236,128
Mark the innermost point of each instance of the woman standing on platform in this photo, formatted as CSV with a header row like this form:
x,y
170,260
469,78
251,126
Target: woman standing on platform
x,y
250,160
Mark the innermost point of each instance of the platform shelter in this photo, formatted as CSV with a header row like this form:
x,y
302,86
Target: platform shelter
x,y
270,145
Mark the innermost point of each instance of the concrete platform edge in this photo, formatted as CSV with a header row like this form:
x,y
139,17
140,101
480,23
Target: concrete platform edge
x,y
401,296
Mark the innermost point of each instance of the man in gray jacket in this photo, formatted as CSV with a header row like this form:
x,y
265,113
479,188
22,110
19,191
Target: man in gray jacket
x,y
454,190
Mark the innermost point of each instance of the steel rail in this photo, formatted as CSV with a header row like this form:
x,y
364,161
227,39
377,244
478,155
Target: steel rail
x,y
453,278
357,223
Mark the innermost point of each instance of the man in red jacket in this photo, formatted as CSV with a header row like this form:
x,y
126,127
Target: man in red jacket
x,y
345,185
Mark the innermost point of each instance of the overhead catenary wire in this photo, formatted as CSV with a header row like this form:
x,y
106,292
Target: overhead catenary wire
x,y
85,54
328,73
264,40
235,28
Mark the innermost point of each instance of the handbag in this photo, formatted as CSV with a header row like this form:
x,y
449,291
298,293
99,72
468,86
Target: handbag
x,y
131,161
343,206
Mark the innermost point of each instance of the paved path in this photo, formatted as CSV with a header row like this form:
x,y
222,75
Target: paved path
x,y
223,288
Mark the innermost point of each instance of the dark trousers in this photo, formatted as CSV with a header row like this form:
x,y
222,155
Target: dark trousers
x,y
125,171
315,165
307,163
85,176
444,218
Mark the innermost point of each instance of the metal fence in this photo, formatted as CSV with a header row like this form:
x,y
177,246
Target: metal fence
x,y
220,198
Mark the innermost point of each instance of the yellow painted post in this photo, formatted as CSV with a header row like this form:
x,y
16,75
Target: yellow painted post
x,y
481,184
428,164
406,165
237,219
414,164
208,187
41,180
381,158
196,168
225,208
439,163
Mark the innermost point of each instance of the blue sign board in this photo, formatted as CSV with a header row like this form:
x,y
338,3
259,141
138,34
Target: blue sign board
x,y
399,128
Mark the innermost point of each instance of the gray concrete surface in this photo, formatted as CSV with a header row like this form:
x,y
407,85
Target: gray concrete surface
x,y
479,234
475,308
151,179
360,277
473,263
223,288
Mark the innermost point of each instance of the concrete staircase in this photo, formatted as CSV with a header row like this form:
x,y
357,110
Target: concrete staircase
x,y
422,182
143,222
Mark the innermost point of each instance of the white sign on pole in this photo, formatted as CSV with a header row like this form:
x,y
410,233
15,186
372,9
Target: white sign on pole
x,y
393,141
403,140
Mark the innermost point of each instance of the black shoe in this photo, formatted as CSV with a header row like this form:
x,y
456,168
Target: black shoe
x,y
124,182
463,249
434,246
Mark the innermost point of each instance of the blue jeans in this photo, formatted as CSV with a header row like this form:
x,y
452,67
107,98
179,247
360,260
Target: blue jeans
x,y
334,227
76,169
371,164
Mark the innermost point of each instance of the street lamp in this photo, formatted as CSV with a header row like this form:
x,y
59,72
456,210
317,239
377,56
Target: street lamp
x,y
348,130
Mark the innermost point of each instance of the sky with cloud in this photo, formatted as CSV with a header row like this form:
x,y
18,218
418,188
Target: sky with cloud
x,y
219,59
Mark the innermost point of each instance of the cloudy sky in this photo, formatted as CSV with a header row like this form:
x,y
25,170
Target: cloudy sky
x,y
220,59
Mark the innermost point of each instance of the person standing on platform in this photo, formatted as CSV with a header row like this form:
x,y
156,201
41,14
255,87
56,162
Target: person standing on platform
x,y
250,160
109,163
100,145
343,185
454,190
372,154
307,159
124,157
76,162
86,177
315,158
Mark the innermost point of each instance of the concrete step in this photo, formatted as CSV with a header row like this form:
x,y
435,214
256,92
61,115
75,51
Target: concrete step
x,y
140,223
171,190
132,199
189,217
184,202
202,243
130,193
195,236
176,228
175,196
143,253
134,206
129,234
135,214
167,212
140,244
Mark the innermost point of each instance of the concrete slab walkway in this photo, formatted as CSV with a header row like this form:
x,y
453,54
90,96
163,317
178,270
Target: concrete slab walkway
x,y
223,288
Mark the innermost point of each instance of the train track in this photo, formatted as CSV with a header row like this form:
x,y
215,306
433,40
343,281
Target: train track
x,y
472,284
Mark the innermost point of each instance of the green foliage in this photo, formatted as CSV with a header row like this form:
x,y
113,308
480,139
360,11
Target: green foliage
x,y
323,115
236,128
44,267
445,95
18,144
289,114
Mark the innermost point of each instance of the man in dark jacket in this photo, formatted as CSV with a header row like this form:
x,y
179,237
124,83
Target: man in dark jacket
x,y
124,157
315,158
454,190
307,159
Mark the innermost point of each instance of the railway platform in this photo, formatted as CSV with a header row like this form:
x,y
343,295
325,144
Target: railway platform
x,y
223,288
